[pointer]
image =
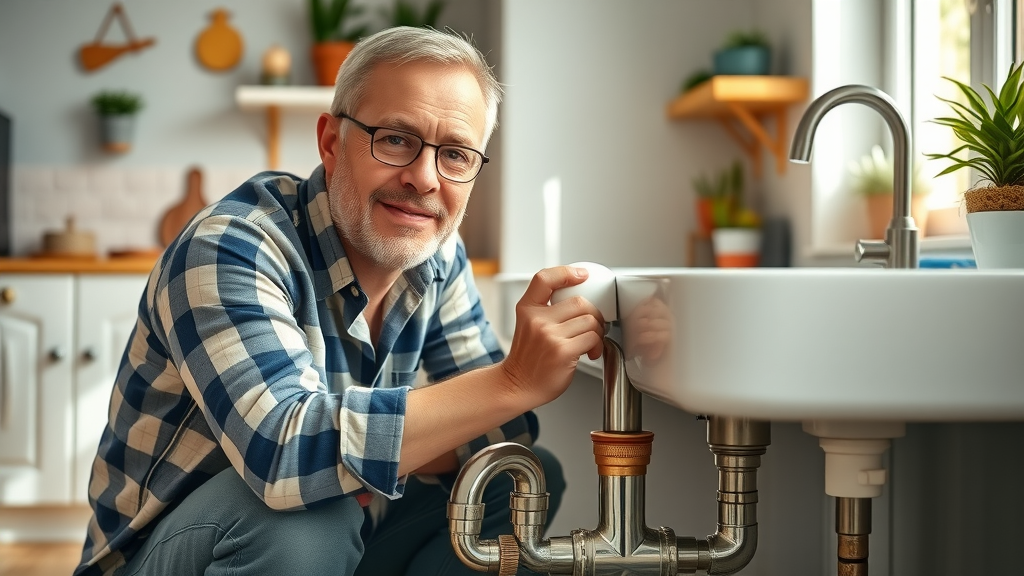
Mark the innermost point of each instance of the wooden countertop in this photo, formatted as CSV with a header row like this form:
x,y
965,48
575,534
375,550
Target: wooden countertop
x,y
62,265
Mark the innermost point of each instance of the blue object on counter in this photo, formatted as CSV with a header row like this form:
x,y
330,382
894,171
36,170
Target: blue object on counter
x,y
934,262
743,60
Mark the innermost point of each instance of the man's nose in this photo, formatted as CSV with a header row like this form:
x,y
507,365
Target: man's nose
x,y
422,174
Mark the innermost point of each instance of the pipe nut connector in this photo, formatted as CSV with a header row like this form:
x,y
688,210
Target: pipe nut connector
x,y
622,453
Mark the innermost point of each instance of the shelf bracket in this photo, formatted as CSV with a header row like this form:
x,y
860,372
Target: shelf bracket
x,y
748,144
273,136
776,146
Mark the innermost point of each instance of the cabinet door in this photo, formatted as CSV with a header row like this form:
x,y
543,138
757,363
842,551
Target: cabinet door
x,y
36,433
107,310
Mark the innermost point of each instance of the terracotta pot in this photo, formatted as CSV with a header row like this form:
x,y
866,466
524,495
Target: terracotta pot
x,y
705,217
327,59
880,212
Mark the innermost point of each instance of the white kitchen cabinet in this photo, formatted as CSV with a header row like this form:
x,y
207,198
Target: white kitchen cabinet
x,y
61,339
36,406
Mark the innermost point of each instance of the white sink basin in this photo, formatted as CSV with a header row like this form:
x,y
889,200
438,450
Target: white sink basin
x,y
830,344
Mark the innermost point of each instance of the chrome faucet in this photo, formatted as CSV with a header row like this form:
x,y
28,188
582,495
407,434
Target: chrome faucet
x,y
899,249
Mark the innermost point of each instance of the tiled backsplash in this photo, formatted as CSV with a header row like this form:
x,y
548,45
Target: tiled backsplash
x,y
122,206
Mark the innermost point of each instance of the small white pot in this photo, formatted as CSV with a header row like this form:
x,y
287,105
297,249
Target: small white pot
x,y
997,238
736,247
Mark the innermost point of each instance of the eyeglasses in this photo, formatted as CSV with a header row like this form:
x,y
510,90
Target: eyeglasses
x,y
399,148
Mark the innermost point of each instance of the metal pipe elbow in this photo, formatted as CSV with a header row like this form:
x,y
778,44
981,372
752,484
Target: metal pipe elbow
x,y
731,548
479,555
466,508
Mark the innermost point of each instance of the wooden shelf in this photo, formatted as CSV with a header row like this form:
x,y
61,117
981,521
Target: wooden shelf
x,y
273,99
746,100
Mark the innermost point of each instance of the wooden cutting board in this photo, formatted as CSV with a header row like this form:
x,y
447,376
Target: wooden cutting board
x,y
177,216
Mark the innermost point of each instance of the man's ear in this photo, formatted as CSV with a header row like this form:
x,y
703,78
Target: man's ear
x,y
327,141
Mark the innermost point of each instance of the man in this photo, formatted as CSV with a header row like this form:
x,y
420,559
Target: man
x,y
263,419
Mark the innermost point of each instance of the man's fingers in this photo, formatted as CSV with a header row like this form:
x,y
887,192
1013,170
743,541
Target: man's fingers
x,y
573,307
548,280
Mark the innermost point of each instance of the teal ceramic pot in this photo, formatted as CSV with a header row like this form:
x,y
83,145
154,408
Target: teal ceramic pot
x,y
116,132
744,60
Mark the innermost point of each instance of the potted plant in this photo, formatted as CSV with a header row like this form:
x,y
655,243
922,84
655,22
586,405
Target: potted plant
x,y
333,39
872,178
405,14
695,79
734,228
116,111
744,53
993,136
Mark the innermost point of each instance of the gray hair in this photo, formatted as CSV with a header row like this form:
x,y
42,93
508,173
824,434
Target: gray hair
x,y
405,44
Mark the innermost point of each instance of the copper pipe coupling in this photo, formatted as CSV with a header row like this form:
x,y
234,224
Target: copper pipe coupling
x,y
622,453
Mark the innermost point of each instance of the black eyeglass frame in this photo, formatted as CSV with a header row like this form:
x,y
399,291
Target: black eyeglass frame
x,y
371,130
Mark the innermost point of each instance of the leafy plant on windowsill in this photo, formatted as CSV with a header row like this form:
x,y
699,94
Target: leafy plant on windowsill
x,y
873,175
993,137
329,23
116,103
872,178
406,14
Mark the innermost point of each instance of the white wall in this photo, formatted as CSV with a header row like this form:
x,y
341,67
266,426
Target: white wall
x,y
190,116
190,113
588,81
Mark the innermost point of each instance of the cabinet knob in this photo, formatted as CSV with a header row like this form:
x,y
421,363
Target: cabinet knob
x,y
89,355
8,295
57,354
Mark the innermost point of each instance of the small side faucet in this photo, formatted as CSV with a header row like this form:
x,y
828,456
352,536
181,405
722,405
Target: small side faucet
x,y
899,249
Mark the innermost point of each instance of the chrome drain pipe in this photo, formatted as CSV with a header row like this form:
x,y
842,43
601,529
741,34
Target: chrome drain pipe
x,y
529,506
737,444
622,544
853,527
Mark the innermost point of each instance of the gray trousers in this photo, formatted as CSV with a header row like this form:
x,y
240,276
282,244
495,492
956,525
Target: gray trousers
x,y
223,529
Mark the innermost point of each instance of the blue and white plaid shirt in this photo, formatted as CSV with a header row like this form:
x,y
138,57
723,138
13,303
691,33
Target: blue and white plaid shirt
x,y
251,351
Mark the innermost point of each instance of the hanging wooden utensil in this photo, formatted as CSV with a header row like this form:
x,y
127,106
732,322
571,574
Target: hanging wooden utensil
x,y
219,47
96,55
178,215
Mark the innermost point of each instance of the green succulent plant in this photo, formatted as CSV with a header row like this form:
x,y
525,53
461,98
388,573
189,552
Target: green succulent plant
x,y
329,21
406,14
992,135
725,193
873,175
113,103
741,38
695,79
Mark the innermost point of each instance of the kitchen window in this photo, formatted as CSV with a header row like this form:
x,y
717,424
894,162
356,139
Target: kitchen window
x,y
904,47
969,40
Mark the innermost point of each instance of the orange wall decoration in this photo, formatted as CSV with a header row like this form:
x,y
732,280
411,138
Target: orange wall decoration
x,y
96,54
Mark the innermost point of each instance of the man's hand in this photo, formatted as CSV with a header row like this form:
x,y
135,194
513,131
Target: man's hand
x,y
547,344
549,339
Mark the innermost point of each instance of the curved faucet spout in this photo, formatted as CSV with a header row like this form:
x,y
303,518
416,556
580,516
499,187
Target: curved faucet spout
x,y
900,247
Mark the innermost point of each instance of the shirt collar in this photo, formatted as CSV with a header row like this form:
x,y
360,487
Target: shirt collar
x,y
331,269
